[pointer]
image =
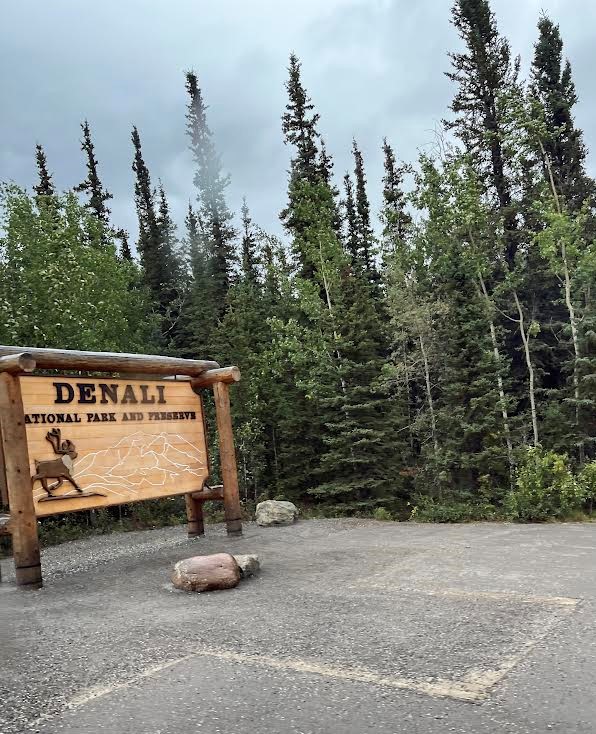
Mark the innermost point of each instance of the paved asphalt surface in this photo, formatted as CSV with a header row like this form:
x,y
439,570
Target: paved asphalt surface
x,y
353,626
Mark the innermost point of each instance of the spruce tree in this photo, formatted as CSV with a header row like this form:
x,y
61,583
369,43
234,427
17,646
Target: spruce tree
x,y
45,185
351,222
149,232
395,217
357,469
485,77
310,174
299,126
366,240
193,326
212,209
487,106
156,244
325,166
173,285
125,251
553,92
246,335
195,248
168,244
92,185
249,260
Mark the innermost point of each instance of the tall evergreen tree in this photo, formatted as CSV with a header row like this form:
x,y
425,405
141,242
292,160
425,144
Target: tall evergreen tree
x,y
487,104
192,326
325,166
169,240
149,233
299,126
92,185
395,217
309,184
125,251
45,185
212,209
553,92
249,260
485,78
366,240
156,241
351,221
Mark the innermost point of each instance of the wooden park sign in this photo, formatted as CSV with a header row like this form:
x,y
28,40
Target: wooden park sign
x,y
94,443
81,443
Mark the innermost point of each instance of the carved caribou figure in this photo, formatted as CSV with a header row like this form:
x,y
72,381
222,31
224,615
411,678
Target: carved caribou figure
x,y
59,469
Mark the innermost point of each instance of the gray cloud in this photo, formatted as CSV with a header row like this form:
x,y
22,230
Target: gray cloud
x,y
373,67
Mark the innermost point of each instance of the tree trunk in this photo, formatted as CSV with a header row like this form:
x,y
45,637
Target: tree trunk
x,y
330,309
502,398
568,300
526,343
429,396
574,334
409,407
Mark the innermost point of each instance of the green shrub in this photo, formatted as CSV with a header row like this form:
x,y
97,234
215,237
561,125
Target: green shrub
x,y
587,477
428,509
382,513
546,488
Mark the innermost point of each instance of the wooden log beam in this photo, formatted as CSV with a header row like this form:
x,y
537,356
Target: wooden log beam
x,y
15,363
23,522
66,359
227,459
209,493
226,375
194,516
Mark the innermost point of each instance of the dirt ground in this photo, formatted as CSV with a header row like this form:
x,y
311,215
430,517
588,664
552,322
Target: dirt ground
x,y
353,626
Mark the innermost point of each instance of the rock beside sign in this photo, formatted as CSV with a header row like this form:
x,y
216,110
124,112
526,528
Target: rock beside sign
x,y
206,573
276,512
249,565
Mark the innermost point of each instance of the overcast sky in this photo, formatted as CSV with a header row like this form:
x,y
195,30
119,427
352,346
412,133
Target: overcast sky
x,y
374,68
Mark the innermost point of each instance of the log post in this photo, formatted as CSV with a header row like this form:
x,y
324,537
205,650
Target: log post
x,y
194,515
229,375
23,522
227,458
3,487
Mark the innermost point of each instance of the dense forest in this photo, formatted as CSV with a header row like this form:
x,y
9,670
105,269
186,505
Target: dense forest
x,y
434,359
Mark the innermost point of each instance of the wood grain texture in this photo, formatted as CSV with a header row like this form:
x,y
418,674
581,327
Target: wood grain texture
x,y
23,523
227,375
15,363
3,487
194,516
66,359
227,458
209,493
158,452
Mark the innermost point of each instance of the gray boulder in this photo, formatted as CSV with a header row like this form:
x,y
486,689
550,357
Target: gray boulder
x,y
248,564
276,512
206,573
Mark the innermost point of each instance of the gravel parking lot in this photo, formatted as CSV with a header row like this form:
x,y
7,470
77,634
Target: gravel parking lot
x,y
353,626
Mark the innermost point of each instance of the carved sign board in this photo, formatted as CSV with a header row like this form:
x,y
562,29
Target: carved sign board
x,y
98,442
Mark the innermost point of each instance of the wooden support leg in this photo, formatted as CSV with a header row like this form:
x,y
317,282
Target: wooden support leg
x,y
194,514
227,458
25,542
